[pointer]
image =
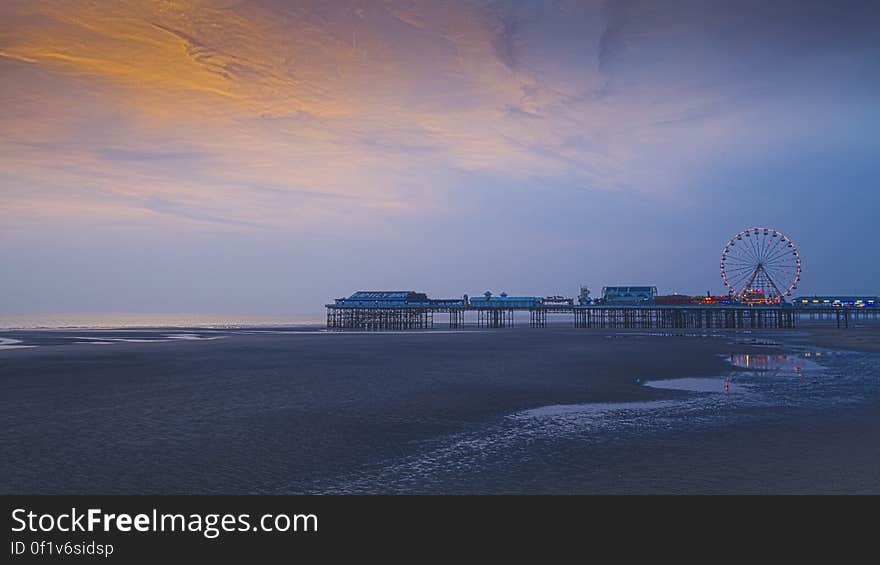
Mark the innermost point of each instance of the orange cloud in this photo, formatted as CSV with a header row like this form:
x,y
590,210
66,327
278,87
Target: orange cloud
x,y
278,113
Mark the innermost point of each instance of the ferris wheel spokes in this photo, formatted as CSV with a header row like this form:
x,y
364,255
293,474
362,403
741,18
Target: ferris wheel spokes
x,y
760,264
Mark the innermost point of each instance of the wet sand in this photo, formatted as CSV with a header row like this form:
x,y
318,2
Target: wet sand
x,y
864,337
273,412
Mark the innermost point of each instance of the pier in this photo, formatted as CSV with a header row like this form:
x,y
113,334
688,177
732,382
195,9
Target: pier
x,y
408,310
692,317
646,317
842,316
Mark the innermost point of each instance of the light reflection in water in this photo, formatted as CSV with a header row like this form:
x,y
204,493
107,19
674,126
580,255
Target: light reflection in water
x,y
778,363
759,366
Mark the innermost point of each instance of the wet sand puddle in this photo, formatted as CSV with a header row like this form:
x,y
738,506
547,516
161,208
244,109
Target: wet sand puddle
x,y
6,343
162,338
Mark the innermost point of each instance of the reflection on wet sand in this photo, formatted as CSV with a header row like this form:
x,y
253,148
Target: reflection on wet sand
x,y
11,344
693,384
778,364
759,366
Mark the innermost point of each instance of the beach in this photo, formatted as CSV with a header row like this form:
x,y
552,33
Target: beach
x,y
300,410
863,337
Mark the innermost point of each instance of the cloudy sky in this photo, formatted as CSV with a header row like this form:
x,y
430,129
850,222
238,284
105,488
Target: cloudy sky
x,y
265,156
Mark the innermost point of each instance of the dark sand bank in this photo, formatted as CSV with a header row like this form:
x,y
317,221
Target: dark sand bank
x,y
862,337
293,412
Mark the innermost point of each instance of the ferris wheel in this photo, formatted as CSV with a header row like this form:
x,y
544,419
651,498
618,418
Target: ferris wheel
x,y
760,264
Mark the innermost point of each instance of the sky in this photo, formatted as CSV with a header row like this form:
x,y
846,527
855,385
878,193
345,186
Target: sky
x,y
267,156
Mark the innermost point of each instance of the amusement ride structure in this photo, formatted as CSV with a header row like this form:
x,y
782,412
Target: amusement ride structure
x,y
760,266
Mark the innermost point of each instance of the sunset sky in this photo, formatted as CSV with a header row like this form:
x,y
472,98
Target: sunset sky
x,y
269,155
